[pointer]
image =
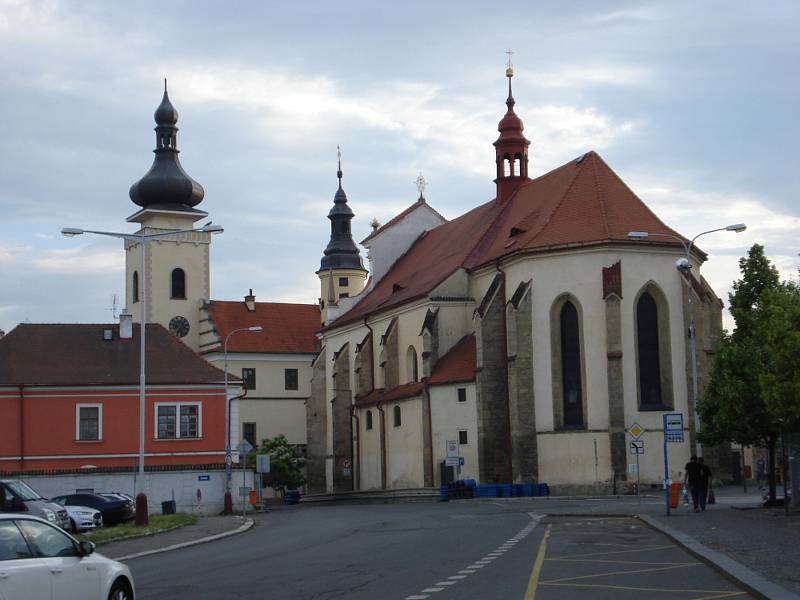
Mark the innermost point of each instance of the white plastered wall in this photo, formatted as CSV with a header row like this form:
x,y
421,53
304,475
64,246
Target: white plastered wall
x,y
404,463
448,417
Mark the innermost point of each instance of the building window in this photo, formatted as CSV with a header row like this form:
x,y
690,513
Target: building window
x,y
290,379
653,362
368,423
249,378
570,363
343,282
178,287
178,421
412,372
135,287
249,433
344,295
462,394
397,418
89,422
463,439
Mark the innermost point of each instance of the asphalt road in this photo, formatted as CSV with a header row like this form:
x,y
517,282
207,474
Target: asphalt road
x,y
418,551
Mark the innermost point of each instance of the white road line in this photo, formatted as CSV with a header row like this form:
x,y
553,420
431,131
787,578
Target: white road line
x,y
457,577
416,597
446,582
466,572
433,589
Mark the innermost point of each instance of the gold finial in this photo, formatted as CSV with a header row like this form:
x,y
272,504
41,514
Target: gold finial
x,y
375,224
509,67
421,183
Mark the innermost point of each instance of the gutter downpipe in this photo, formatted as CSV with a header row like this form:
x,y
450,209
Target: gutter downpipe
x,y
356,457
505,374
431,469
21,426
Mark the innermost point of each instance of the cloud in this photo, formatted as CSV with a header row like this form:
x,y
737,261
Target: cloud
x,y
79,261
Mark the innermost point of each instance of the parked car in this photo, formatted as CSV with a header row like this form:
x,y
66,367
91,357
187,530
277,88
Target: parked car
x,y
121,496
18,497
37,557
83,518
115,511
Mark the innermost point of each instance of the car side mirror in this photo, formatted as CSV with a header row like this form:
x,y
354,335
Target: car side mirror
x,y
86,548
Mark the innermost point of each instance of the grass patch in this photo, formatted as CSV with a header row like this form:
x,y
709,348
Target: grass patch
x,y
158,524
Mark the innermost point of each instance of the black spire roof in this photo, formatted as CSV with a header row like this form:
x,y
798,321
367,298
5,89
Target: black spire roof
x,y
166,185
341,252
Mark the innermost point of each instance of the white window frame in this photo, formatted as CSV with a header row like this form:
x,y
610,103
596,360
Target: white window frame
x,y
177,406
99,408
466,431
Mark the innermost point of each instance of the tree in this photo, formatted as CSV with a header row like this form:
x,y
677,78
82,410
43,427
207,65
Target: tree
x,y
733,406
285,466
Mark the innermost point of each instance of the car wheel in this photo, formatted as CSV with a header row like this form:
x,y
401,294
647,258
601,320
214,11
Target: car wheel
x,y
121,590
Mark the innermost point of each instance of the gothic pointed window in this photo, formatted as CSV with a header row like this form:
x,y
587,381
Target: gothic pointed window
x,y
653,361
178,284
135,287
369,420
397,417
412,372
571,366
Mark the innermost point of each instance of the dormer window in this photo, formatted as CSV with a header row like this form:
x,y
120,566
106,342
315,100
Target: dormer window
x,y
178,284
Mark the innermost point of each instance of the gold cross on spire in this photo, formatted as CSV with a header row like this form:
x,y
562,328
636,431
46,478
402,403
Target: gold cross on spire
x,y
421,183
339,156
510,67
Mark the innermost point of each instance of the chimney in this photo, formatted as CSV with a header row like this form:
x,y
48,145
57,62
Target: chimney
x,y
250,301
125,325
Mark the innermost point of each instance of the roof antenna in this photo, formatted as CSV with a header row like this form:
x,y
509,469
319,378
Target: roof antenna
x,y
165,85
339,171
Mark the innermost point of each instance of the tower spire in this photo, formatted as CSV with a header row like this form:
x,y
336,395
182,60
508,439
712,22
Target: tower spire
x,y
511,148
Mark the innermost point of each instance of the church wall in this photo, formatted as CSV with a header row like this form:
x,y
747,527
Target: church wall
x,y
404,462
317,407
568,459
454,321
370,450
448,417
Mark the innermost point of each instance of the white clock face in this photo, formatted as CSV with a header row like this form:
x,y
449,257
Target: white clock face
x,y
179,326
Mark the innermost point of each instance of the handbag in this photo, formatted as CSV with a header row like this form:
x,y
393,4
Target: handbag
x,y
685,496
711,498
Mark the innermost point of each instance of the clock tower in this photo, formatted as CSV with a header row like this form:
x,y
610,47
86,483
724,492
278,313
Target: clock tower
x,y
176,268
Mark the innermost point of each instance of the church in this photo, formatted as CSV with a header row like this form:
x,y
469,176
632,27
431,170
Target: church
x,y
524,336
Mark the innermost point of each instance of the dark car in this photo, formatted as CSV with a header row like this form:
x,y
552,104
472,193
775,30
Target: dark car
x,y
114,511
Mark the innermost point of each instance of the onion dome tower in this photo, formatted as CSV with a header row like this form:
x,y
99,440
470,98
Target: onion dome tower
x,y
166,185
341,270
511,148
176,275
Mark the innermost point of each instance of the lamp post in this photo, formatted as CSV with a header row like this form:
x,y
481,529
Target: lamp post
x,y
142,239
684,266
228,502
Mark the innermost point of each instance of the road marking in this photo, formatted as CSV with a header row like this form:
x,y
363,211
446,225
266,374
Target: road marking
x,y
564,579
446,583
466,572
642,589
725,595
621,562
533,582
457,577
433,589
642,549
416,597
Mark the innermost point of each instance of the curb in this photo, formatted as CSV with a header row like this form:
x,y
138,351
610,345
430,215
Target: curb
x,y
241,529
738,573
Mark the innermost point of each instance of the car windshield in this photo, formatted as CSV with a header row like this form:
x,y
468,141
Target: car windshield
x,y
22,490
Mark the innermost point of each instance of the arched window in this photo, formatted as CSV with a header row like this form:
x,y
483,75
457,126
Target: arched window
x,y
506,165
571,366
135,287
412,373
178,287
397,418
653,361
368,423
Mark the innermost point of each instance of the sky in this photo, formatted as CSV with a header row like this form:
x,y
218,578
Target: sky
x,y
693,104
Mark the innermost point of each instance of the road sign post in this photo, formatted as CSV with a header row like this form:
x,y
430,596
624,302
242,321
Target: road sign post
x,y
673,433
244,449
637,448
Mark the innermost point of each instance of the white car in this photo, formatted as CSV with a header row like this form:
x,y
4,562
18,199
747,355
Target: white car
x,y
83,518
39,561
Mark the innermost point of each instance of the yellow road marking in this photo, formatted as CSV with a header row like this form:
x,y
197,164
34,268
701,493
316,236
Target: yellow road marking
x,y
642,589
622,573
622,562
533,582
641,549
720,595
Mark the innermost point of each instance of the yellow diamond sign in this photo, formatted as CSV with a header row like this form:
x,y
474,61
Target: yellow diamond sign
x,y
636,431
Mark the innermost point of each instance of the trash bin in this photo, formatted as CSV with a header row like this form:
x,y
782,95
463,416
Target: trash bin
x,y
674,494
253,497
168,507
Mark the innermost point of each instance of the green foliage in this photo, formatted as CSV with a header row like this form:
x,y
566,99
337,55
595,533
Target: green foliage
x,y
158,524
758,274
285,467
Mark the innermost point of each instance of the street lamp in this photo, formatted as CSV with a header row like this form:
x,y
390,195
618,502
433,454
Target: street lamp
x,y
684,266
143,239
228,502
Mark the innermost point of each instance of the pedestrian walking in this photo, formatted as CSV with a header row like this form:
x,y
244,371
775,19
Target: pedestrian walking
x,y
693,480
705,482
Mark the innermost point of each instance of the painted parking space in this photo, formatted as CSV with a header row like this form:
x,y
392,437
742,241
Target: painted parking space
x,y
580,557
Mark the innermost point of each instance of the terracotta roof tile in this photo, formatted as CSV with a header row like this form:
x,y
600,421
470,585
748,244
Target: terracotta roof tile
x,y
458,365
581,202
288,328
56,354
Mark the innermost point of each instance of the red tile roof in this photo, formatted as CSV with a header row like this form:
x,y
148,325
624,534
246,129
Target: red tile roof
x,y
288,328
580,203
78,355
458,365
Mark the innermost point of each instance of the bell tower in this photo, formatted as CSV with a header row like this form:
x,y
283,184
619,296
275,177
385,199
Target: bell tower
x,y
511,148
176,268
341,270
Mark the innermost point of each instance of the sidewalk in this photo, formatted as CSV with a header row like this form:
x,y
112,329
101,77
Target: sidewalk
x,y
206,529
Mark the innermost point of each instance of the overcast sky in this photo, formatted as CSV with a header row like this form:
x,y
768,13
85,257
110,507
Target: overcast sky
x,y
694,104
